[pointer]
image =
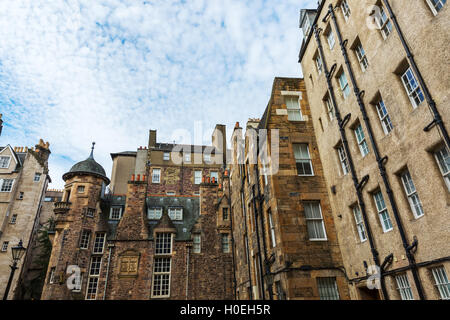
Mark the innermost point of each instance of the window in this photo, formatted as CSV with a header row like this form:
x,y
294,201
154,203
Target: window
x,y
319,64
303,160
411,193
441,282
197,177
330,39
161,277
197,241
264,171
272,229
359,223
344,85
13,219
436,5
382,212
314,221
362,58
170,193
225,242
4,162
443,159
329,108
77,283
154,213
156,176
362,143
90,212
80,189
215,175
403,287
115,213
207,158
21,197
187,157
225,214
328,289
37,177
293,108
166,156
163,243
48,199
412,87
343,159
99,242
84,240
94,274
384,23
176,213
6,185
384,116
345,9
5,246
51,277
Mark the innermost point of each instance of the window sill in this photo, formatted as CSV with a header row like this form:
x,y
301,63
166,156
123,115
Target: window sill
x,y
318,240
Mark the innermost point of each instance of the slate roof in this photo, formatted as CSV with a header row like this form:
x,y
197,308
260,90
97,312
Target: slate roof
x,y
88,166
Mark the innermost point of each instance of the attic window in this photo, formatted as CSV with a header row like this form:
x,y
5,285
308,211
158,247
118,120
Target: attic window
x,y
176,213
4,162
154,213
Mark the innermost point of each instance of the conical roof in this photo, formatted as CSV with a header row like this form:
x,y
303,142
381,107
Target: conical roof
x,y
88,166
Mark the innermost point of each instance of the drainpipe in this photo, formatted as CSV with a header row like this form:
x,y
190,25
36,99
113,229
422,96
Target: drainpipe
x,y
381,161
437,120
356,184
261,274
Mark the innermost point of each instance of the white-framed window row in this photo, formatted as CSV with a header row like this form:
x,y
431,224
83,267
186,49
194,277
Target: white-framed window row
x,y
362,57
441,282
384,117
93,278
436,5
442,157
411,193
383,213
360,227
293,108
343,160
176,213
403,287
343,83
99,242
314,221
156,175
361,139
412,88
345,9
196,243
154,213
115,213
161,277
6,185
4,162
303,159
384,23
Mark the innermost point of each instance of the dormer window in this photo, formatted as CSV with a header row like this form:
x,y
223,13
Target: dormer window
x,y
176,213
4,162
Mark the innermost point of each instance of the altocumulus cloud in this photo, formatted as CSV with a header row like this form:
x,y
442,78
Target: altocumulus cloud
x,y
77,71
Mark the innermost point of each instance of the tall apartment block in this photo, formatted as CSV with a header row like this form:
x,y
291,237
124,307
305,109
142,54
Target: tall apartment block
x,y
377,77
284,237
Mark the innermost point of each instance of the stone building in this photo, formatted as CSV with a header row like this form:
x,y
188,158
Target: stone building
x,y
377,80
160,231
23,181
285,241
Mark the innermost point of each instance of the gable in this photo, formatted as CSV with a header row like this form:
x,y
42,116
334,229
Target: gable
x,y
13,160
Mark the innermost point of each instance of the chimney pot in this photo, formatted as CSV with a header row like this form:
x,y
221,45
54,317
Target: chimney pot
x,y
138,177
132,177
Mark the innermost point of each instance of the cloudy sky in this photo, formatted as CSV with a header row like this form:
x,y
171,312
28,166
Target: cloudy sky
x,y
77,71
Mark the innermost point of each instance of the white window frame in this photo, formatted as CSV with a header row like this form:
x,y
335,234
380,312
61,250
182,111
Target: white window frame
x,y
272,229
412,195
113,215
163,243
160,274
345,166
187,157
403,287
331,39
94,278
225,240
166,156
362,57
38,176
360,227
214,174
85,239
196,243
441,282
100,238
442,157
346,12
314,220
13,219
345,87
175,213
3,187
384,117
197,179
384,23
156,175
81,189
303,160
207,158
2,162
154,213
412,88
293,108
436,5
329,108
319,64
361,139
383,212
5,245
328,289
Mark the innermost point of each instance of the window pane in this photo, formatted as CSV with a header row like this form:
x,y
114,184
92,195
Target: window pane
x,y
328,289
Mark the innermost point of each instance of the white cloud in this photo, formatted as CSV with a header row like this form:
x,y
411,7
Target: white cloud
x,y
78,71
